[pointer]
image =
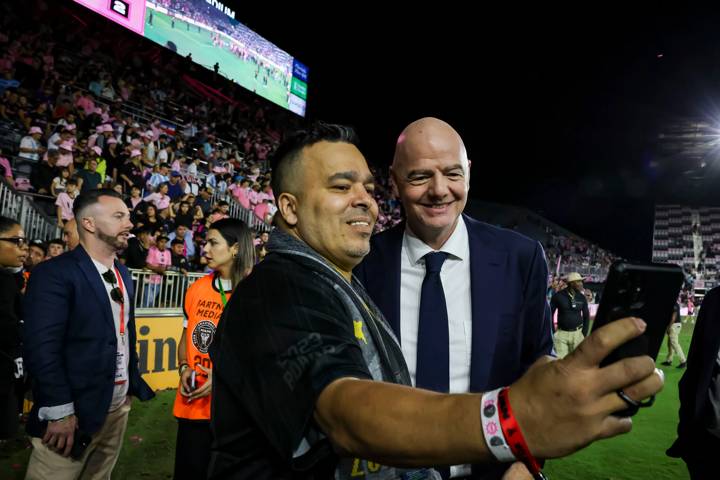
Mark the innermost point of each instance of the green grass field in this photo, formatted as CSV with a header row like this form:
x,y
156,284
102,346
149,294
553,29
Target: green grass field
x,y
199,43
148,451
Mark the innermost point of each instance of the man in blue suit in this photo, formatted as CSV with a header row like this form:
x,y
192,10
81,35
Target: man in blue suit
x,y
80,347
466,299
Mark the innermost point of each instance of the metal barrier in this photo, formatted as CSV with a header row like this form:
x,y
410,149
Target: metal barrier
x,y
160,295
240,212
36,224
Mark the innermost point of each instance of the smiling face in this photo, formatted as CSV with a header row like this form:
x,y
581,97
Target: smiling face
x,y
333,210
430,173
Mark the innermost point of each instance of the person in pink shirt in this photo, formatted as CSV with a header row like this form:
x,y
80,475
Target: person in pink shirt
x,y
86,103
92,139
6,170
65,201
135,197
241,194
262,210
65,159
254,195
267,192
217,214
235,185
160,198
159,258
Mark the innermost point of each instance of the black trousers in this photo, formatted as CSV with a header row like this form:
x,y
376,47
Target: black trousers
x,y
8,415
701,459
192,449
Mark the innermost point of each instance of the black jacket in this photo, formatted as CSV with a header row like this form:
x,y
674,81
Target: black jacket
x,y
70,340
693,438
10,315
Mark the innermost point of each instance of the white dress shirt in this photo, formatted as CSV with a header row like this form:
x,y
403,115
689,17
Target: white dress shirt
x,y
123,344
455,277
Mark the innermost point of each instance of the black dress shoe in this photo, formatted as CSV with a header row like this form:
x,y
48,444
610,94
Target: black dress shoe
x,y
682,365
667,364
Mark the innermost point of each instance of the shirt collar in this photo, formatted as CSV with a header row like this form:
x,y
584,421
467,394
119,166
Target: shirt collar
x,y
456,246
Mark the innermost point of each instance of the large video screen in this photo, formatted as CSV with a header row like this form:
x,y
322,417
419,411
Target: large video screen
x,y
208,32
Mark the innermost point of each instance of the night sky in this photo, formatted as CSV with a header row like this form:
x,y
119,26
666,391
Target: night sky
x,y
560,110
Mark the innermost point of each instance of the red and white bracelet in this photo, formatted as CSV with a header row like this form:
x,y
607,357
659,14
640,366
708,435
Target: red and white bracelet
x,y
492,430
502,432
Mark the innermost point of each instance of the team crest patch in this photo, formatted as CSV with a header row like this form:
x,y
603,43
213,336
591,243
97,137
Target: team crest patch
x,y
202,335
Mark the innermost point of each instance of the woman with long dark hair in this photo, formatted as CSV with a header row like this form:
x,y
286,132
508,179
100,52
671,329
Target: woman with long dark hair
x,y
13,250
230,253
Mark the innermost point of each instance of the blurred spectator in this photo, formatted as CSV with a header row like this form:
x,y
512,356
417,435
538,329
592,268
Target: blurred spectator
x,y
179,259
89,178
36,254
55,247
160,198
138,247
65,202
182,233
30,145
70,234
44,174
59,183
158,260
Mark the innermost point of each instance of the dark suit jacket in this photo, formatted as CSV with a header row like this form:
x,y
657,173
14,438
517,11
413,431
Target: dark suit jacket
x,y
512,326
70,343
693,438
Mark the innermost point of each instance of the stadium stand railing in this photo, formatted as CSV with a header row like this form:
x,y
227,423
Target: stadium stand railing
x,y
161,295
20,206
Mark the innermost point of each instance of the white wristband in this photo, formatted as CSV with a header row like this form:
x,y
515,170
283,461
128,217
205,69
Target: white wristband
x,y
492,431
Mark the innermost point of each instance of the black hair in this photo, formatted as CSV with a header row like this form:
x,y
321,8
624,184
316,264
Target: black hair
x,y
235,231
91,197
6,223
287,154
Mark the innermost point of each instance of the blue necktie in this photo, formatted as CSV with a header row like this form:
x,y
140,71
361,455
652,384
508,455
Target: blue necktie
x,y
433,356
432,371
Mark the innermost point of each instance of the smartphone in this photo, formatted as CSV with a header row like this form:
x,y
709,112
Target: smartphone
x,y
80,443
193,381
643,290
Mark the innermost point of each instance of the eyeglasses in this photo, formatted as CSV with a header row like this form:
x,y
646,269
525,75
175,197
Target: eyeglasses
x,y
19,241
115,293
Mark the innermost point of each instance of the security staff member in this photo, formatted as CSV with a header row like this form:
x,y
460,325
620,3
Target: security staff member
x,y
573,319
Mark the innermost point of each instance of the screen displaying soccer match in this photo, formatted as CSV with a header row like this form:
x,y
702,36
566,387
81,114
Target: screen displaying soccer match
x,y
207,31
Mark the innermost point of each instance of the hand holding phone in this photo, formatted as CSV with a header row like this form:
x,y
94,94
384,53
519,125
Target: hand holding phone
x,y
646,291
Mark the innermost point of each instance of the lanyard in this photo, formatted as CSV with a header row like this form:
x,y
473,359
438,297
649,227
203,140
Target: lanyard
x,y
122,303
222,291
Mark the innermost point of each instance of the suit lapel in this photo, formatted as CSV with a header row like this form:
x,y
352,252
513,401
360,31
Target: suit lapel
x,y
95,282
388,269
486,271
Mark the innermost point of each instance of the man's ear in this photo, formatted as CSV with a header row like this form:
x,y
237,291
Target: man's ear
x,y
287,205
88,224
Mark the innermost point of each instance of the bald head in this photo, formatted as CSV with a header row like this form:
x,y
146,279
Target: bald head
x,y
70,234
428,136
431,175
